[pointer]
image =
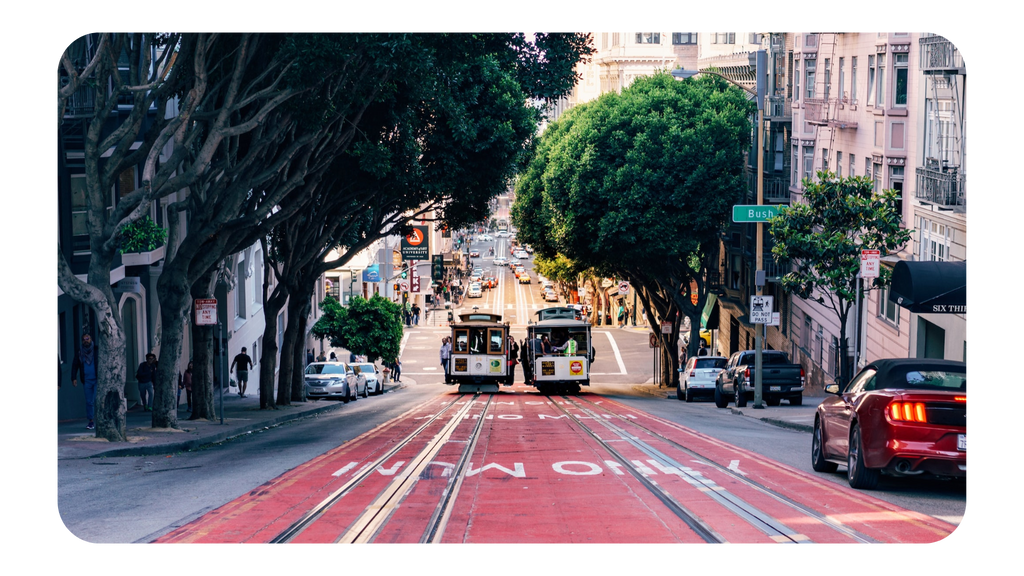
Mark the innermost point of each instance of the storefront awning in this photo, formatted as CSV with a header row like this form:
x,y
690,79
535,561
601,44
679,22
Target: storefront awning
x,y
709,318
930,287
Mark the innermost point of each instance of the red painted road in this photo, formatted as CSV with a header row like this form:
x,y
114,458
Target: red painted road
x,y
535,475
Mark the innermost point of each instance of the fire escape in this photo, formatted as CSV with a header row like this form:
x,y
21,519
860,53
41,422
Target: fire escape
x,y
942,179
827,111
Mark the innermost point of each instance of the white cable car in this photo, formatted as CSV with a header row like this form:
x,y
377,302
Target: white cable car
x,y
479,359
561,370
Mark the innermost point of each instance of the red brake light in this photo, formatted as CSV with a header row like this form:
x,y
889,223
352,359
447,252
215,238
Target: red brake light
x,y
693,373
960,399
746,373
907,412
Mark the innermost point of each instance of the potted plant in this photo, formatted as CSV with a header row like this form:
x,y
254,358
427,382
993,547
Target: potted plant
x,y
142,242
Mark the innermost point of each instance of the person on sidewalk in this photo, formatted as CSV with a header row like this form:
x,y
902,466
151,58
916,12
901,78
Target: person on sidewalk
x,y
243,363
397,369
415,315
446,354
145,374
310,358
84,365
186,380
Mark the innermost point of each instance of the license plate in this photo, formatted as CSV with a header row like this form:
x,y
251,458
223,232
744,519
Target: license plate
x,y
961,442
317,390
775,388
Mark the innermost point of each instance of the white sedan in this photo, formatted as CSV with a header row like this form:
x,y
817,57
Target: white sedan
x,y
475,290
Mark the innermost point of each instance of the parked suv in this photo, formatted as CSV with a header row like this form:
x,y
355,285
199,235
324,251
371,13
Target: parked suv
x,y
698,377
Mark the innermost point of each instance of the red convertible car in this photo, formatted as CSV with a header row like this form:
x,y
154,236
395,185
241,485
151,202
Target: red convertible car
x,y
900,417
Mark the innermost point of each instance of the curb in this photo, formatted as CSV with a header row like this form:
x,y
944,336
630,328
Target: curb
x,y
775,421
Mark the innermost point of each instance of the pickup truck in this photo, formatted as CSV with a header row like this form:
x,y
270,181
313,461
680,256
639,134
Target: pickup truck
x,y
780,379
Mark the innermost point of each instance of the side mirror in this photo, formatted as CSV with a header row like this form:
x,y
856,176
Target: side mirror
x,y
832,389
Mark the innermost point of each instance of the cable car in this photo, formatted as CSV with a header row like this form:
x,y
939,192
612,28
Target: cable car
x,y
559,370
479,358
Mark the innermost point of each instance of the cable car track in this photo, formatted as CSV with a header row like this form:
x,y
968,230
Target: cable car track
x,y
366,526
757,518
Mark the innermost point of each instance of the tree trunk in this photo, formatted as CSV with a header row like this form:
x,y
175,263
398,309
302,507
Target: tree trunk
x,y
845,362
175,302
299,351
268,359
111,405
285,389
204,394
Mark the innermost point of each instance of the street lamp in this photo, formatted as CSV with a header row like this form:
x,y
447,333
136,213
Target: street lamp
x,y
758,61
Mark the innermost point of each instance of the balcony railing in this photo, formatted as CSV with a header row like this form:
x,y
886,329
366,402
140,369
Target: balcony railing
x,y
776,188
945,187
774,269
779,108
829,111
81,103
940,55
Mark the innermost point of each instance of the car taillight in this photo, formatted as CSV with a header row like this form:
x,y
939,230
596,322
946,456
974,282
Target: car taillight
x,y
960,399
746,373
801,375
907,412
693,373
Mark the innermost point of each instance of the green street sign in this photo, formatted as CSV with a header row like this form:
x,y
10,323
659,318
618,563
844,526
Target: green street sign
x,y
754,213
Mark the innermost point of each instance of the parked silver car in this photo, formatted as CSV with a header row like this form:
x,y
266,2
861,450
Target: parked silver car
x,y
329,380
698,377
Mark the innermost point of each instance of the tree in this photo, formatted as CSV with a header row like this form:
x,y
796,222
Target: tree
x,y
108,83
639,185
371,328
824,234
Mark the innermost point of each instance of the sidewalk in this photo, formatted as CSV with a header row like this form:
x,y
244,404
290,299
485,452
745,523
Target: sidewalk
x,y
241,416
786,416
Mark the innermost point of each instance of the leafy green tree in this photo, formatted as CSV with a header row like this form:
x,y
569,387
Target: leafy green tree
x,y
639,185
367,327
824,234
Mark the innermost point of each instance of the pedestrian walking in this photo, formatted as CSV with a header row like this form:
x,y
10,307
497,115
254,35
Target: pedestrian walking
x,y
144,375
334,357
243,363
703,351
309,356
186,380
416,314
321,357
84,366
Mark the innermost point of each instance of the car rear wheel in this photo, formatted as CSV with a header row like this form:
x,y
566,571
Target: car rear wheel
x,y
741,398
860,476
818,461
720,400
689,395
680,393
772,401
796,401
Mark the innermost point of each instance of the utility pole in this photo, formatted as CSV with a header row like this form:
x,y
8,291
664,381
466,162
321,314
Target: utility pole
x,y
759,70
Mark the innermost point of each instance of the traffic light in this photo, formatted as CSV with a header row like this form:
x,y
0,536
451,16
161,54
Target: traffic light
x,y
405,270
397,287
437,267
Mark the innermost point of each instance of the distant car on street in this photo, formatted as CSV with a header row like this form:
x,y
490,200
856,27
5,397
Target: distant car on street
x,y
500,261
698,377
550,296
475,290
474,254
524,278
522,255
897,417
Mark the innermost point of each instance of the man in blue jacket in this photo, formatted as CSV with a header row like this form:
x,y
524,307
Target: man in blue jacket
x,y
84,366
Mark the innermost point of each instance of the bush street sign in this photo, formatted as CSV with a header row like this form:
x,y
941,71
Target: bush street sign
x,y
754,213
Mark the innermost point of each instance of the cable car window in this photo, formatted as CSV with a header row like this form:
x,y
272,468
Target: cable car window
x,y
497,342
462,341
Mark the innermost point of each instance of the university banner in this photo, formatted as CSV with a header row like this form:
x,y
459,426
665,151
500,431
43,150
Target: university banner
x,y
416,246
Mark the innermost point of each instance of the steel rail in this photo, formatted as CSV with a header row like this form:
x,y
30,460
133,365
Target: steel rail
x,y
699,527
733,475
298,526
376,515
